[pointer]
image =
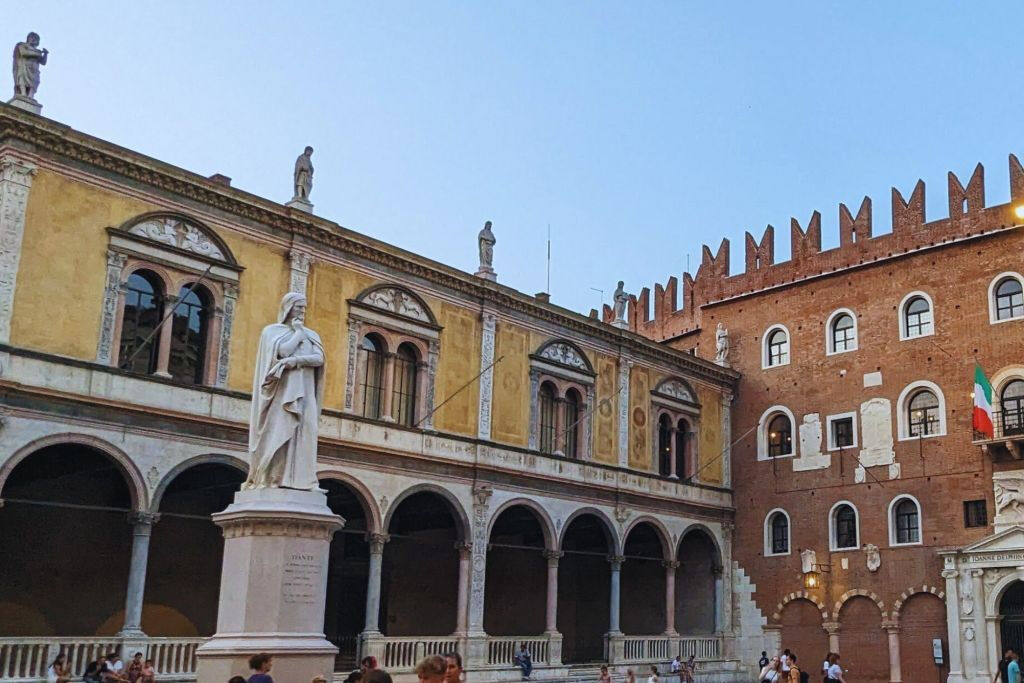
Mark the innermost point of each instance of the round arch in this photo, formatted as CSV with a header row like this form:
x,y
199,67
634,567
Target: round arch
x,y
855,593
363,495
211,458
133,477
800,595
546,525
911,592
613,537
994,596
659,529
697,527
455,506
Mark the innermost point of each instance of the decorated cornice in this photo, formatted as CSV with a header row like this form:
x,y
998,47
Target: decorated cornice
x,y
47,137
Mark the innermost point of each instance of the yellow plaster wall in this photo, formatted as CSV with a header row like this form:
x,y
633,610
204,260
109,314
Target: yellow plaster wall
x,y
329,288
606,428
63,264
261,287
459,363
510,409
710,443
640,454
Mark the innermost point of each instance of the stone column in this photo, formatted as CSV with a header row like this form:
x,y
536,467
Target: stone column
x,y
227,322
432,355
476,637
371,625
980,627
142,527
615,562
893,630
719,599
670,596
559,426
483,427
300,265
551,611
112,298
953,623
832,628
673,452
726,441
387,387
462,609
163,353
624,368
15,182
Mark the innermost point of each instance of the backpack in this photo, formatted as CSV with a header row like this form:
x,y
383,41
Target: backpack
x,y
805,677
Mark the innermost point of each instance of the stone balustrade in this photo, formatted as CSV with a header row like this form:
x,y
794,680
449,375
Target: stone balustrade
x,y
25,660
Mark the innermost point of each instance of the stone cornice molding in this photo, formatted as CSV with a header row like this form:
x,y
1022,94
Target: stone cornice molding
x,y
249,525
63,141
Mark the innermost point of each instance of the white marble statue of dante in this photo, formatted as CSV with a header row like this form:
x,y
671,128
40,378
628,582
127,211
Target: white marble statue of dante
x,y
304,174
287,394
28,57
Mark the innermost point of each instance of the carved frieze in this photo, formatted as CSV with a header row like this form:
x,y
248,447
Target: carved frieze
x,y
176,232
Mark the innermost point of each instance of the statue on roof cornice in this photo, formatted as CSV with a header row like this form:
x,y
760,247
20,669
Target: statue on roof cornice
x,y
28,57
620,299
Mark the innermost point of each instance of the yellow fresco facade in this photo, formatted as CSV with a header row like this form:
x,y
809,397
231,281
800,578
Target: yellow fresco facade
x,y
640,454
510,414
457,365
710,445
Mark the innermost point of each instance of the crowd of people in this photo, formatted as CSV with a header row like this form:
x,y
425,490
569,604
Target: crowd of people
x,y
104,669
432,669
784,668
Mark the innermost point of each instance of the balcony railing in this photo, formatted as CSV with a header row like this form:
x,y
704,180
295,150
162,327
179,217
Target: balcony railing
x,y
25,660
664,648
1008,431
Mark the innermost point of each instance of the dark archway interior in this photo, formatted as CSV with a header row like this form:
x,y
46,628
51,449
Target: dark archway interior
x,y
642,610
186,551
515,590
420,578
347,573
584,582
695,584
65,544
1011,608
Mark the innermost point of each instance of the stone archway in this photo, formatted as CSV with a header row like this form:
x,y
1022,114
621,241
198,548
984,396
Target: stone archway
x,y
1011,610
584,584
643,581
516,585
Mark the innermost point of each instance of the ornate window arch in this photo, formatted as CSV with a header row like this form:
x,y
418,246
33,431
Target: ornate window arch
x,y
561,370
777,533
393,344
841,332
917,316
197,278
776,347
677,423
905,526
776,432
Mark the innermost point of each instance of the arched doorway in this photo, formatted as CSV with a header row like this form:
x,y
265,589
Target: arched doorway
x,y
584,583
922,619
643,582
186,552
696,584
863,643
803,633
1011,609
515,589
419,585
64,541
348,570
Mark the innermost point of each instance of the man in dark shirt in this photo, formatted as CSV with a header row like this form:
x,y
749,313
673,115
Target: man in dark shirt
x,y
261,664
1003,675
763,662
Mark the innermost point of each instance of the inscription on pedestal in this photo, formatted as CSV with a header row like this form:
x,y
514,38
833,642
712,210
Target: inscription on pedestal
x,y
301,579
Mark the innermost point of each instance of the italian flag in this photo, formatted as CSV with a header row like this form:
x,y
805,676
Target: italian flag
x,y
982,403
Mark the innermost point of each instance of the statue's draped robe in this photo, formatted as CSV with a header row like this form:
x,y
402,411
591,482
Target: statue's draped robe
x,y
285,411
303,176
26,68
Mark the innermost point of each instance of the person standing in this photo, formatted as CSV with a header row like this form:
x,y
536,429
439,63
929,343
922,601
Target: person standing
x,y
835,671
453,672
432,669
794,670
261,665
763,662
1001,674
1013,669
770,672
784,663
653,678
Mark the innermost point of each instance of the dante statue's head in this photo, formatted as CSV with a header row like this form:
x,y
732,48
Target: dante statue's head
x,y
293,307
621,284
308,151
33,39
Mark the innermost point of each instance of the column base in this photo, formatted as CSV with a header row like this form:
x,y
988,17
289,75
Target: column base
x,y
296,657
614,647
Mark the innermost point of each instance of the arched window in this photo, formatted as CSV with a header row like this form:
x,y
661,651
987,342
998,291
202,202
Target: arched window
x,y
904,521
143,304
403,392
780,436
776,531
664,445
371,360
844,534
917,317
189,330
776,347
1009,299
547,418
572,417
1011,403
842,333
923,413
684,468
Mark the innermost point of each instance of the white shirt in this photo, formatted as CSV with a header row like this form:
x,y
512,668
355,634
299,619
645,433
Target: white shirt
x,y
675,665
835,671
785,662
824,666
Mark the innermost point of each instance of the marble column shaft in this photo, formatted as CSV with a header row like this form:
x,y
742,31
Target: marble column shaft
x,y
462,608
670,596
142,527
377,542
615,562
551,607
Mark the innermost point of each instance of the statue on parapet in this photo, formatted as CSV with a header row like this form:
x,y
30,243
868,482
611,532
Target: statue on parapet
x,y
485,244
619,301
287,395
304,174
722,345
28,57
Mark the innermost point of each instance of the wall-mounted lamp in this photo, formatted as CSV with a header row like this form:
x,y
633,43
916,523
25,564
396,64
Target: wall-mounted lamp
x,y
812,578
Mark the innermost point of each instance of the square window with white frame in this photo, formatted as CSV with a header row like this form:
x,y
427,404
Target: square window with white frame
x,y
841,430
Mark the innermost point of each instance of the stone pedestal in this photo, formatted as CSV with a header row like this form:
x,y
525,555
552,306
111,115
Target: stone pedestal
x,y
273,586
300,204
620,323
487,273
27,103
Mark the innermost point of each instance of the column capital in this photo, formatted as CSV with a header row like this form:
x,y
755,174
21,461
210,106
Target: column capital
x,y
950,573
891,626
831,627
718,571
616,562
670,565
553,556
465,548
377,541
116,258
143,518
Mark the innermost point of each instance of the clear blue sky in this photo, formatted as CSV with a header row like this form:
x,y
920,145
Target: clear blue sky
x,y
638,130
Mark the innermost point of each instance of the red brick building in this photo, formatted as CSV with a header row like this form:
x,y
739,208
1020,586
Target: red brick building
x,y
852,432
